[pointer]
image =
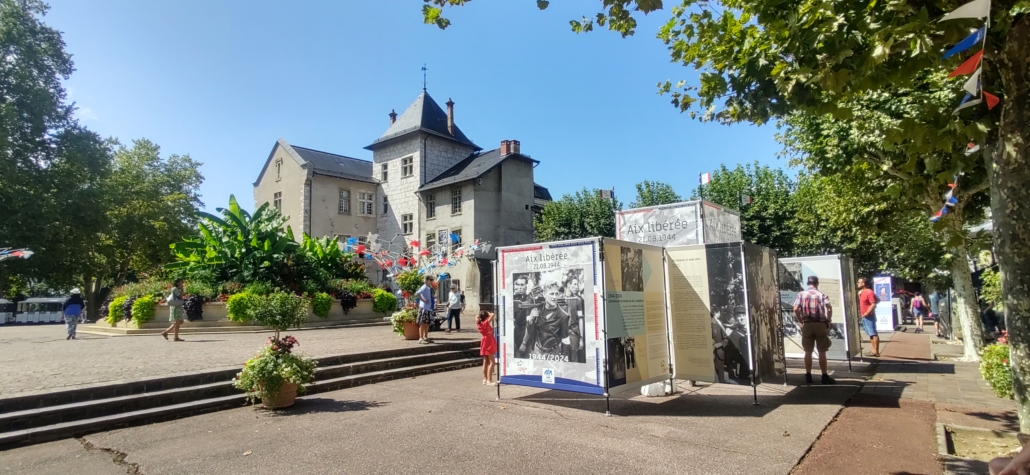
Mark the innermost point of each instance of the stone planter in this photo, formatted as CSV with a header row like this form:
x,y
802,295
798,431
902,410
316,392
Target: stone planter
x,y
216,315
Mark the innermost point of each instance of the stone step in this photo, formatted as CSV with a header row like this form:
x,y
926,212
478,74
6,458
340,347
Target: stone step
x,y
220,327
43,416
175,411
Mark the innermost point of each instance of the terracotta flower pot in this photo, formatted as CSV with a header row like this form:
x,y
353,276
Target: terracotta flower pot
x,y
286,397
410,331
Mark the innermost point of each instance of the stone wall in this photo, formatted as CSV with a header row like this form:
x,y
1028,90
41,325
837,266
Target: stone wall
x,y
290,182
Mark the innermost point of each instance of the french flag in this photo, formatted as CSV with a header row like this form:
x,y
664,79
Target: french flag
x,y
705,178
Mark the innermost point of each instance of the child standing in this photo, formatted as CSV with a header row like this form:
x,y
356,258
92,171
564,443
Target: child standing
x,y
488,346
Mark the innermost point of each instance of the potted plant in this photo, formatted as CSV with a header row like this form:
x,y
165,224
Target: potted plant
x,y
275,375
404,322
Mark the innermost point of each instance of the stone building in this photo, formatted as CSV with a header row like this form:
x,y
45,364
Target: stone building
x,y
427,181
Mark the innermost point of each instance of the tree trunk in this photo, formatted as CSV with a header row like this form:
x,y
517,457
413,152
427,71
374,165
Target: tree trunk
x,y
965,303
91,293
1010,205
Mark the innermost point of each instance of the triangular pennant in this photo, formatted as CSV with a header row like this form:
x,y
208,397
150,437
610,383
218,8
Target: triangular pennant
x,y
991,99
952,201
934,219
944,211
970,41
972,86
974,9
948,195
973,148
966,103
968,66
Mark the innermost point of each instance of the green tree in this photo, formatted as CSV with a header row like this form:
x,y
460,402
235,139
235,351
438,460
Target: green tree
x,y
584,214
654,193
768,220
894,142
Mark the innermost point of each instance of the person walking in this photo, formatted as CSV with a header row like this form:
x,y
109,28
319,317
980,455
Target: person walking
x,y
918,308
454,309
72,310
935,312
426,312
813,311
488,345
176,315
867,313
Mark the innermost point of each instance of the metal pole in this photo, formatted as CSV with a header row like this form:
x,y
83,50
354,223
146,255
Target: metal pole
x,y
754,387
849,362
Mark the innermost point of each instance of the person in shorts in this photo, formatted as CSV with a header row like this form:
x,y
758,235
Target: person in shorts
x,y
867,310
813,311
426,310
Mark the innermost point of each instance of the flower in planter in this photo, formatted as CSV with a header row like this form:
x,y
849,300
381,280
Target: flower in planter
x,y
263,375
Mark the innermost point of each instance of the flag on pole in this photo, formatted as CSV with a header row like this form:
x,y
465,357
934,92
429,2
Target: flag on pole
x,y
970,41
968,66
706,178
991,99
972,86
974,9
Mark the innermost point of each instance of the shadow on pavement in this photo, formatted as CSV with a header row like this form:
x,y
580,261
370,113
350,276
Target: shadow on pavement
x,y
312,405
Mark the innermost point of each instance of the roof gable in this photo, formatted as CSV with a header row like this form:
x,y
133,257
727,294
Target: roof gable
x,y
475,166
323,163
423,115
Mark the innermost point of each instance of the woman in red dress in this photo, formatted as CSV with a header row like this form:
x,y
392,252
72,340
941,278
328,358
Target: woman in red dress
x,y
488,346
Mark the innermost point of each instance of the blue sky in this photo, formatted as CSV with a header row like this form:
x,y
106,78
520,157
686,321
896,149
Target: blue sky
x,y
221,81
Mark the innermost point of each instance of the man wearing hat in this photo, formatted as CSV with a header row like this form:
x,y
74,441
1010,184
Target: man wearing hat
x,y
73,307
813,311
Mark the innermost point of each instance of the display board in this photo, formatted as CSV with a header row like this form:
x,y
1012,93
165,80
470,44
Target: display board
x,y
836,280
713,284
635,314
764,310
884,307
720,224
551,321
678,224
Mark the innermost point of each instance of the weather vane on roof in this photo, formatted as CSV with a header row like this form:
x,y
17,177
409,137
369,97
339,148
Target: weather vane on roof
x,y
424,77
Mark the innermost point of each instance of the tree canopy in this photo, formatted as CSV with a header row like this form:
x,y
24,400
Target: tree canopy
x,y
580,215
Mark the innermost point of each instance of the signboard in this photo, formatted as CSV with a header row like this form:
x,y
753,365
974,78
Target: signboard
x,y
835,280
550,324
678,224
691,321
884,308
635,317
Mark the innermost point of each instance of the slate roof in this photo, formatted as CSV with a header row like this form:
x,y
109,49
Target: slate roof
x,y
423,115
475,166
541,193
336,165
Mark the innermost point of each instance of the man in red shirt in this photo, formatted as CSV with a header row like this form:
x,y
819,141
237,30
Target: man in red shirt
x,y
867,309
813,311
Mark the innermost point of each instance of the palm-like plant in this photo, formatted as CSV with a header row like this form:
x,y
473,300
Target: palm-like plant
x,y
238,246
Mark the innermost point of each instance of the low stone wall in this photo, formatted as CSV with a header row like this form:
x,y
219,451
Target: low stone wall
x,y
216,315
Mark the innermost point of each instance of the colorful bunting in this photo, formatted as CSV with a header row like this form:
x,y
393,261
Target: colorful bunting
x,y
991,99
967,102
972,86
965,44
968,66
971,149
974,9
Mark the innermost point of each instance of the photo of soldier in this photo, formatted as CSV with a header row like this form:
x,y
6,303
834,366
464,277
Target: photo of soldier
x,y
524,303
575,305
631,358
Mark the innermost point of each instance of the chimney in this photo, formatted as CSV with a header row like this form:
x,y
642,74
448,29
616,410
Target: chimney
x,y
450,116
515,146
505,147
393,116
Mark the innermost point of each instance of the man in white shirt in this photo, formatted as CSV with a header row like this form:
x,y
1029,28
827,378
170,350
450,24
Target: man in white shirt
x,y
454,309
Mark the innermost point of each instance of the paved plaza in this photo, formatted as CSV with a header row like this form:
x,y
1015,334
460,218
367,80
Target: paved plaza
x,y
37,358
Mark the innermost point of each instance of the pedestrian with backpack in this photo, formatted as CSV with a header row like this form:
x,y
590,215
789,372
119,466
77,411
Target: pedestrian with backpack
x,y
918,307
72,309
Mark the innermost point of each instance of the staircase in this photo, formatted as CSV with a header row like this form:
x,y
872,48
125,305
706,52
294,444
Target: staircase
x,y
44,417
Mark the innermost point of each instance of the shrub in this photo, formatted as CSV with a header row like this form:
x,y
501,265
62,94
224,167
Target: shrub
x,y
104,309
240,305
994,367
258,288
311,287
383,302
147,287
347,300
321,303
404,316
991,290
114,310
232,288
201,289
410,281
194,307
143,310
281,311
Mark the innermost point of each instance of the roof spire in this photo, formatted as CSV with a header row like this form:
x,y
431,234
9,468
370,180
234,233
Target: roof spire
x,y
424,77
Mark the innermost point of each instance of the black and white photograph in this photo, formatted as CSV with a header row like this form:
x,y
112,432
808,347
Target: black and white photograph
x,y
631,357
616,362
632,269
765,307
729,317
548,315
